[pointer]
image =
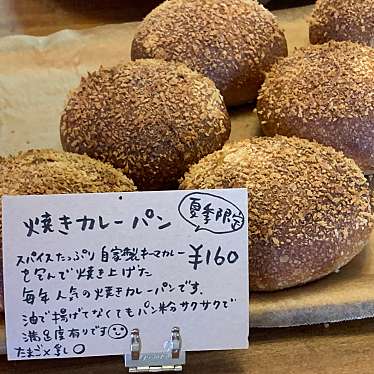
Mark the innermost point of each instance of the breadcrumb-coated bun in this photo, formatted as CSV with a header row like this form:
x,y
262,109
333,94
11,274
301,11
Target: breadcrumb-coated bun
x,y
309,206
150,118
324,93
342,20
233,42
45,171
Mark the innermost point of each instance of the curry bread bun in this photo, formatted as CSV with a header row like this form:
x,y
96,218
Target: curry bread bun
x,y
324,93
309,206
342,20
233,42
150,118
44,172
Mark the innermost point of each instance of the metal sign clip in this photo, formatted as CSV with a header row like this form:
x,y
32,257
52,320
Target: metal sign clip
x,y
170,360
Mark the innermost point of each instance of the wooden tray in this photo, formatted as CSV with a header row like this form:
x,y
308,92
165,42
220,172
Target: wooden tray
x,y
36,74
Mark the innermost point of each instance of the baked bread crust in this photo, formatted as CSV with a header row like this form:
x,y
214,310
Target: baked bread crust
x,y
233,42
150,118
309,206
342,20
324,93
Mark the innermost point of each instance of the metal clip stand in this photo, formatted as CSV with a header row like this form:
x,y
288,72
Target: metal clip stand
x,y
171,360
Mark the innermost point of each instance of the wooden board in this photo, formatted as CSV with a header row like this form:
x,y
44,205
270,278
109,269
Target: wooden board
x,y
36,74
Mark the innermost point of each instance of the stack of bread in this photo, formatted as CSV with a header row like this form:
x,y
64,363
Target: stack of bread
x,y
162,121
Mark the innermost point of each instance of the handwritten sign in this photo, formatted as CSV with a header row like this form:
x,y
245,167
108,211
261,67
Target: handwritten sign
x,y
81,271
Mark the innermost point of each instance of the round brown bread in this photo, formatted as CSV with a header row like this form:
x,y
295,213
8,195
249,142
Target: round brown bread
x,y
38,172
342,20
150,118
233,42
324,93
309,206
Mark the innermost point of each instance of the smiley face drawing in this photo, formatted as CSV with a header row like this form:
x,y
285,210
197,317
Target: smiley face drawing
x,y
117,331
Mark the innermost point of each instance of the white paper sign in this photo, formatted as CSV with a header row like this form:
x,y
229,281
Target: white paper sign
x,y
81,271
